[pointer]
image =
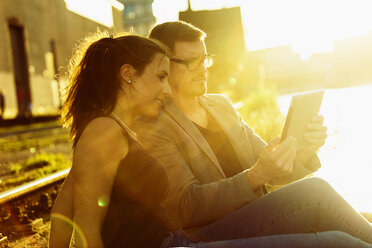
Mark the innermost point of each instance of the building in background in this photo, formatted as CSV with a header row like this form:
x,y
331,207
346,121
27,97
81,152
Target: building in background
x,y
225,39
138,16
237,71
36,42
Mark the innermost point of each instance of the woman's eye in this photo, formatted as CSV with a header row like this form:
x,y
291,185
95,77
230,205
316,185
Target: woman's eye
x,y
162,77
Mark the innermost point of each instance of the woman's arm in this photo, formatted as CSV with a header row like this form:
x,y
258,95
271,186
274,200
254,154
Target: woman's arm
x,y
97,155
62,216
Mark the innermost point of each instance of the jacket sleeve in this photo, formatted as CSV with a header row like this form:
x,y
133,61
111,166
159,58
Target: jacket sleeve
x,y
189,203
299,170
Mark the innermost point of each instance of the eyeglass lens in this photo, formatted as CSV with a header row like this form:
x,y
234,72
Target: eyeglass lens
x,y
207,62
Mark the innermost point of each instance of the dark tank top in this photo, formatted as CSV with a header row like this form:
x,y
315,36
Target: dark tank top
x,y
135,217
222,148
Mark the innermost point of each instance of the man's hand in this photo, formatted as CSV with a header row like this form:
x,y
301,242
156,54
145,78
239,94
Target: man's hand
x,y
276,160
315,135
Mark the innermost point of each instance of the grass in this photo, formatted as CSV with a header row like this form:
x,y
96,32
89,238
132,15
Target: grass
x,y
35,167
261,112
25,144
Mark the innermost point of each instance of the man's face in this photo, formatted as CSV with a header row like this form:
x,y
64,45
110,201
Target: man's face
x,y
187,80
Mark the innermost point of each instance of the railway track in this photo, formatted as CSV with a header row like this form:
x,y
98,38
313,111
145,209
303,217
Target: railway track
x,y
27,131
22,207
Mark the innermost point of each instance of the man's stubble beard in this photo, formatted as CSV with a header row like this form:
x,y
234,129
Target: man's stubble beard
x,y
194,92
199,90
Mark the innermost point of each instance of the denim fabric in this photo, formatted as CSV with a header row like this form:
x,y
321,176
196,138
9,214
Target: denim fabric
x,y
176,239
330,239
307,206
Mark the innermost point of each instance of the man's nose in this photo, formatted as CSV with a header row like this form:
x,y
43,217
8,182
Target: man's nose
x,y
202,67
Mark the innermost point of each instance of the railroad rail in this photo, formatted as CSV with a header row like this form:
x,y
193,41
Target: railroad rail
x,y
22,205
20,132
30,187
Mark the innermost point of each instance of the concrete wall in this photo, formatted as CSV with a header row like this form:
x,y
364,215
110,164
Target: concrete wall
x,y
43,21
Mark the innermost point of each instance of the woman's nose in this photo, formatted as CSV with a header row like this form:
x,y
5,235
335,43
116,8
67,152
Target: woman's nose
x,y
167,91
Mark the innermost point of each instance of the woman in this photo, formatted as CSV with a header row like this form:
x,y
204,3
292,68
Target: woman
x,y
114,190
116,80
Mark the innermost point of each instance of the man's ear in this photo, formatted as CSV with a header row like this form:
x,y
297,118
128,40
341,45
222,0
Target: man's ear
x,y
127,73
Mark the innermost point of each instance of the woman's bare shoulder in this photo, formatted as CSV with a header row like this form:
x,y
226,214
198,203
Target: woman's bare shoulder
x,y
105,136
104,125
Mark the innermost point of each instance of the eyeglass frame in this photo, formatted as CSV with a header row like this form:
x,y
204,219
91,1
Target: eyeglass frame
x,y
200,59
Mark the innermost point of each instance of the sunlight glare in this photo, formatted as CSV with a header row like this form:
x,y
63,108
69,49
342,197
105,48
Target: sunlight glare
x,y
97,10
346,163
306,26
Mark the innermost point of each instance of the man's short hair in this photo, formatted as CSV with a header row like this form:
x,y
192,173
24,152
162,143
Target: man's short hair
x,y
171,32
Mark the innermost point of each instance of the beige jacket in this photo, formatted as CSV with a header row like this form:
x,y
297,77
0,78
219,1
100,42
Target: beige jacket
x,y
199,192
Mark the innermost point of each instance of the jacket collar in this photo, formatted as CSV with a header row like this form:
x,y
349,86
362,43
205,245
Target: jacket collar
x,y
229,124
232,127
186,124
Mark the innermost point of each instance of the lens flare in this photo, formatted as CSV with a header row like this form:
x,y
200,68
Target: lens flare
x,y
103,201
78,233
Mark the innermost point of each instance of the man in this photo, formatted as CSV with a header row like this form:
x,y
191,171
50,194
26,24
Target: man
x,y
215,162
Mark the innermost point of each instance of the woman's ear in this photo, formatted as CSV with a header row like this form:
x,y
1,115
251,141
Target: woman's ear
x,y
127,73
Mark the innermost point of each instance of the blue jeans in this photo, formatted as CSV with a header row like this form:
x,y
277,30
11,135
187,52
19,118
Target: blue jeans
x,y
306,206
307,213
331,239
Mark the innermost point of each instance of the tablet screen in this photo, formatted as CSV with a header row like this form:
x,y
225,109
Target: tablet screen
x,y
303,108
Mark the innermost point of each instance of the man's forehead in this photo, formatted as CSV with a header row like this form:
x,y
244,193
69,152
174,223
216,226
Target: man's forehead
x,y
159,62
187,49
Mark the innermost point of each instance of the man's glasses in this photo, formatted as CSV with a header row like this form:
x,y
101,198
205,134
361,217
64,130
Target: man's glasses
x,y
193,64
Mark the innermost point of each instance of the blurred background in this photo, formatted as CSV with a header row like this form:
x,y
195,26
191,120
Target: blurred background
x,y
265,51
290,45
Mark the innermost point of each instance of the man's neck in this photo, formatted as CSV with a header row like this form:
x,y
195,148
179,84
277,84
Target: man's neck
x,y
187,103
192,108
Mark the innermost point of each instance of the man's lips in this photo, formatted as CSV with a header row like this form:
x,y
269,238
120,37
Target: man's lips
x,y
200,79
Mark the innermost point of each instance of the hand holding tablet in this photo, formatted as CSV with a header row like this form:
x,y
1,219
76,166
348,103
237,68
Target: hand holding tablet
x,y
303,108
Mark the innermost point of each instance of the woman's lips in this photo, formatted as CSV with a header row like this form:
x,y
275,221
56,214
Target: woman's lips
x,y
159,101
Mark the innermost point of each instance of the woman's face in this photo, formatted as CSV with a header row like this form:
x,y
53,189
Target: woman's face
x,y
151,87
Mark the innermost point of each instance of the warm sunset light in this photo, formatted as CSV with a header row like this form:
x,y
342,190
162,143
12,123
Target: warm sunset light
x,y
306,26
182,123
345,156
341,30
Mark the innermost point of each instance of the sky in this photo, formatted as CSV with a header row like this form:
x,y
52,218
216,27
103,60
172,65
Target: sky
x,y
307,26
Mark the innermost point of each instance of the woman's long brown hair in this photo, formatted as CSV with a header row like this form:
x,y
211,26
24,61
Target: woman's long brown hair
x,y
94,81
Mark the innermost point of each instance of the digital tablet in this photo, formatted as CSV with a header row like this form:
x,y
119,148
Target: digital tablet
x,y
303,108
